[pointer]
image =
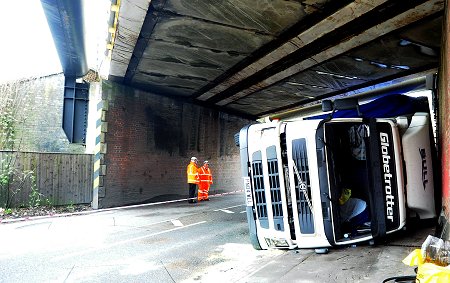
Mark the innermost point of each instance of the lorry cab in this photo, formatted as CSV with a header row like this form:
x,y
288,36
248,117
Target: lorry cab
x,y
305,179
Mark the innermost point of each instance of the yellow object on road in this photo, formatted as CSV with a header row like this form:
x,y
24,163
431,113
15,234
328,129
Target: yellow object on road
x,y
427,272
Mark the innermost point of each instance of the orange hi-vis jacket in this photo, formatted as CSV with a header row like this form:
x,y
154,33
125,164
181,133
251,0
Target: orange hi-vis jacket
x,y
192,173
205,177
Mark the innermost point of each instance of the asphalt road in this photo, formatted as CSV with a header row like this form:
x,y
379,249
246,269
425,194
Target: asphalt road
x,y
171,242
181,242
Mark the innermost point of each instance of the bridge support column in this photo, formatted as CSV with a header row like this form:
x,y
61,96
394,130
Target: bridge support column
x,y
98,190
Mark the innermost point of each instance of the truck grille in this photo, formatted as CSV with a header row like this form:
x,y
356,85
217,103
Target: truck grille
x,y
299,154
275,194
274,180
258,185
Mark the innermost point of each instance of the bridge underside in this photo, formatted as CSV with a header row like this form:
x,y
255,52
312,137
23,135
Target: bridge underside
x,y
258,58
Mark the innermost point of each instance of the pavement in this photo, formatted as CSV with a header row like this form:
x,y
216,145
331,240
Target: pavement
x,y
360,263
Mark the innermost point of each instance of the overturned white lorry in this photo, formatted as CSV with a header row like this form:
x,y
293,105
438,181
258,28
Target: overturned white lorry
x,y
296,175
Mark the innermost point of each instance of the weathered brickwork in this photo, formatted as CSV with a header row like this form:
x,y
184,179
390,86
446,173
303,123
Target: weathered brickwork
x,y
150,139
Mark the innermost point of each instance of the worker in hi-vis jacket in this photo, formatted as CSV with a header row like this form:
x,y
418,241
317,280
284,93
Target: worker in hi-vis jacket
x,y
205,181
192,178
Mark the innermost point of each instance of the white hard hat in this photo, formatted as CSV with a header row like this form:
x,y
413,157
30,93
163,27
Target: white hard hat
x,y
193,158
206,162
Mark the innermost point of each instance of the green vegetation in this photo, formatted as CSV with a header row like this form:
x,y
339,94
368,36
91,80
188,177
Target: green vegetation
x,y
13,179
35,198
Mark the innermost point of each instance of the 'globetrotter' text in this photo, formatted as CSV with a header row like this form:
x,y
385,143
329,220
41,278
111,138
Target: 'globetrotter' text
x,y
387,176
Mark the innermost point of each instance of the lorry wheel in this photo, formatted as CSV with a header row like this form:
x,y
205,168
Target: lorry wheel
x,y
321,251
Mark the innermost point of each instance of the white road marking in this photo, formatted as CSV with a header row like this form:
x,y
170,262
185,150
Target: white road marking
x,y
123,242
226,210
231,207
243,211
176,222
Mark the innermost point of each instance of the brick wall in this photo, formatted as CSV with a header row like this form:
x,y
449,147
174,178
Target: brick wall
x,y
149,140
